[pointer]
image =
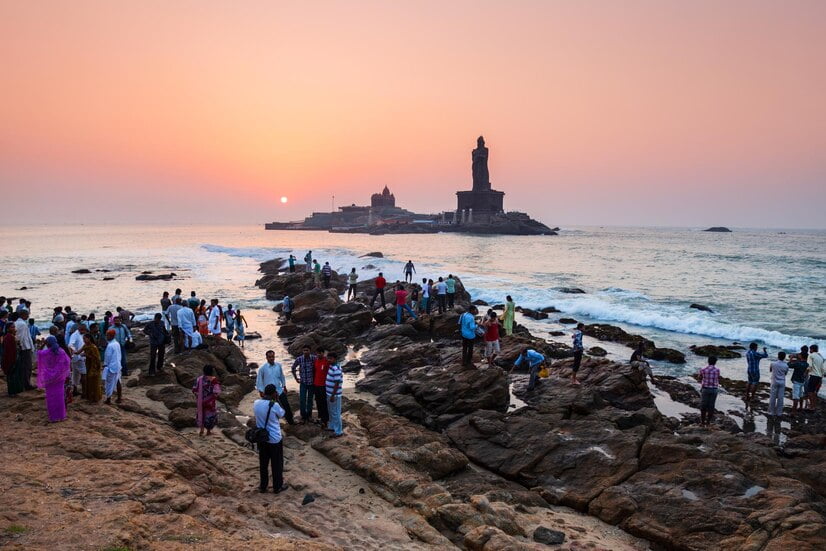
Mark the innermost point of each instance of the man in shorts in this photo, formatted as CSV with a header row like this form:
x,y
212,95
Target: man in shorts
x,y
753,358
798,366
816,369
709,381
492,348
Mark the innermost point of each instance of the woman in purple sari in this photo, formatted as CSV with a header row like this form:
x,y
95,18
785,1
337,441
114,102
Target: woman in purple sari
x,y
206,389
52,370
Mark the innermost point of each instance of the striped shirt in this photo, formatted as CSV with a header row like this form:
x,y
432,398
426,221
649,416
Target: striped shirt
x,y
334,376
305,366
710,376
753,358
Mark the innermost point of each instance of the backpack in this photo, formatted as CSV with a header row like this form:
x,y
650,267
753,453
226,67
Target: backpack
x,y
259,435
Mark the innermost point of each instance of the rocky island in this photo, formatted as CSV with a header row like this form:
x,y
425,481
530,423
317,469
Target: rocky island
x,y
435,455
479,211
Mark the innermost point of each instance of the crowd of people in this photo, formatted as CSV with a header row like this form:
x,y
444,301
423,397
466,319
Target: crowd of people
x,y
86,357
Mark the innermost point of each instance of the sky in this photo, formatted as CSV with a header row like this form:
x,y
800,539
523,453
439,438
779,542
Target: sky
x,y
596,113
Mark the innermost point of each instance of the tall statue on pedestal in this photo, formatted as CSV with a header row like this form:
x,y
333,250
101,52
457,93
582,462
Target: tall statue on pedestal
x,y
481,176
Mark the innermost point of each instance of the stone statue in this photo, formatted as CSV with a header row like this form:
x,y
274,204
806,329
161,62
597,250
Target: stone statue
x,y
479,156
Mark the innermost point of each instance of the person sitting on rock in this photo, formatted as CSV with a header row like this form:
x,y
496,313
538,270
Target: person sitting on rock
x,y
638,361
534,360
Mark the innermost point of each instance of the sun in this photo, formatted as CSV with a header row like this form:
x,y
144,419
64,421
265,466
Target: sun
x,y
283,199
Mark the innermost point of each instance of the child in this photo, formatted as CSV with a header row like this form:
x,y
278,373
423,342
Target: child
x,y
710,381
240,324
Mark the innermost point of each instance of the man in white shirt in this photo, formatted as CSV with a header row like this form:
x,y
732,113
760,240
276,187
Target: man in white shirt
x,y
271,373
817,367
186,322
267,412
215,318
779,369
75,346
441,295
24,342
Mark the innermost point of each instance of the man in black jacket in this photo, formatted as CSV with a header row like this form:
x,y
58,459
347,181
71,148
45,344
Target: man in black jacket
x,y
158,335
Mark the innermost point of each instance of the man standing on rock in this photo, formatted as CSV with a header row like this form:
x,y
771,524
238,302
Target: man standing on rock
x,y
441,295
333,384
380,285
78,361
111,367
25,346
320,367
534,360
467,325
193,301
753,358
303,370
817,367
401,304
779,369
409,270
450,282
709,382
291,260
216,316
578,350
122,335
352,280
798,365
156,331
326,274
424,305
308,261
287,308
271,373
267,412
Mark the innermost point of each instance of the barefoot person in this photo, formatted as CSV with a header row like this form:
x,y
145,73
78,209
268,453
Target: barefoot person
x,y
638,361
409,270
271,373
111,367
779,368
798,365
240,328
534,360
352,280
207,388
52,370
817,366
267,412
492,348
467,324
303,370
578,350
333,384
753,358
401,304
380,283
320,367
709,382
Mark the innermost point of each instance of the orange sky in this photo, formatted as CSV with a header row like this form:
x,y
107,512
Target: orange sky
x,y
639,112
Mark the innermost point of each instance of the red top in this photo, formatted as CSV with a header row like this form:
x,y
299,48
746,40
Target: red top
x,y
401,297
320,371
380,282
492,334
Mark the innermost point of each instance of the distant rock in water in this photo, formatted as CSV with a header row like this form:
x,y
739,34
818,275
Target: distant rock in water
x,y
719,229
154,277
568,321
597,351
82,271
701,307
571,290
722,352
108,278
373,255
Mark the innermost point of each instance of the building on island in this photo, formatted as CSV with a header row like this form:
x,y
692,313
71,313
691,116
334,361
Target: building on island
x,y
382,200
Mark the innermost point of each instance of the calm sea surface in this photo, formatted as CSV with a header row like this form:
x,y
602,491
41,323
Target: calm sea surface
x,y
764,285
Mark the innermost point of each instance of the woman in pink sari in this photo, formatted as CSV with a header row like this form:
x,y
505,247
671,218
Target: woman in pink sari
x,y
52,370
206,389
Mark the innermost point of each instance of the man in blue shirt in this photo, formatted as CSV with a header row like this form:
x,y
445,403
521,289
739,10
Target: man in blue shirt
x,y
467,325
305,365
267,412
534,359
753,358
271,373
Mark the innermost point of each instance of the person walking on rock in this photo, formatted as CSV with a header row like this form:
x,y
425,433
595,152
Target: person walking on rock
x,y
303,370
409,270
334,383
709,383
779,369
401,304
177,337
467,325
207,388
578,351
352,280
381,283
753,358
534,360
267,412
271,373
320,367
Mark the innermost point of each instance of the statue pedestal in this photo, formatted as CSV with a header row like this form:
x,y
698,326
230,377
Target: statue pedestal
x,y
481,201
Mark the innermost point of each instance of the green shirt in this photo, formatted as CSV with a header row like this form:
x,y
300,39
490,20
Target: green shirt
x,y
451,285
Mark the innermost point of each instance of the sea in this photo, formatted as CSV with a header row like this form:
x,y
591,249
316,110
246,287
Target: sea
x,y
761,285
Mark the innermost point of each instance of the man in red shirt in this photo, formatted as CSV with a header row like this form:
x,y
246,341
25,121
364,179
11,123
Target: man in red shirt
x,y
380,284
492,347
320,367
401,304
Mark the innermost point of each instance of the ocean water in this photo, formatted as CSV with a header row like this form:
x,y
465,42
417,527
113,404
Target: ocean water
x,y
763,285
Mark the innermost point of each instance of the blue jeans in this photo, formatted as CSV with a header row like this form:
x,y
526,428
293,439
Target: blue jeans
x,y
334,408
305,399
399,308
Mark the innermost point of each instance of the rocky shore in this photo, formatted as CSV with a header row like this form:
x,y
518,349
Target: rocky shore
x,y
436,456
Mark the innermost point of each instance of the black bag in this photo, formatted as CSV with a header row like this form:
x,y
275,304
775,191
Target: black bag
x,y
258,435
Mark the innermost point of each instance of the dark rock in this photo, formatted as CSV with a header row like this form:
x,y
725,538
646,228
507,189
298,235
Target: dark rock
x,y
352,366
571,290
155,277
718,229
568,321
548,536
82,271
349,308
23,288
556,333
701,307
252,335
369,267
308,498
289,330
306,315
549,310
532,313
723,352
611,333
479,302
597,351
108,278
372,255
